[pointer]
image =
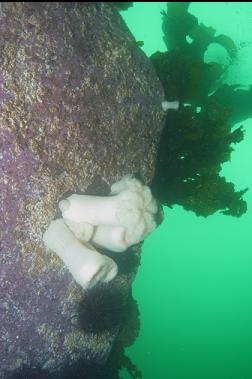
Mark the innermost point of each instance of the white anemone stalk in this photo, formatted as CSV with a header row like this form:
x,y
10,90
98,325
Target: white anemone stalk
x,y
87,266
113,238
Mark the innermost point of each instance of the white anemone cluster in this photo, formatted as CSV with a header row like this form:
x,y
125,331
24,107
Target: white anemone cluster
x,y
113,222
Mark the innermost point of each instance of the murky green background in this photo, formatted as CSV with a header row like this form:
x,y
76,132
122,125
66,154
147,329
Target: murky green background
x,y
194,287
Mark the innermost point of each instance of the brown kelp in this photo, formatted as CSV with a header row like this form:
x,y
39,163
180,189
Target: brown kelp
x,y
197,138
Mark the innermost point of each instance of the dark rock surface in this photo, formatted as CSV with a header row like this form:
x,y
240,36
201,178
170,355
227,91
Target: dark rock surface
x,y
79,102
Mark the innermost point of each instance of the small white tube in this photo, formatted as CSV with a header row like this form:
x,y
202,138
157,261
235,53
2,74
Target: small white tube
x,y
87,266
166,105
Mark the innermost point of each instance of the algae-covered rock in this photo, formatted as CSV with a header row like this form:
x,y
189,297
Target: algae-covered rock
x,y
80,105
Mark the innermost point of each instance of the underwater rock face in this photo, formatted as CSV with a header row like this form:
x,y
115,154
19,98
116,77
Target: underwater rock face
x,y
78,101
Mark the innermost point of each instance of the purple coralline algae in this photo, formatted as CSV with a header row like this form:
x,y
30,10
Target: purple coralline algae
x,y
78,101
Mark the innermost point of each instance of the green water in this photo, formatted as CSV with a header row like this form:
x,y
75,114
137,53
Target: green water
x,y
194,287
